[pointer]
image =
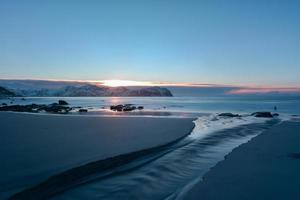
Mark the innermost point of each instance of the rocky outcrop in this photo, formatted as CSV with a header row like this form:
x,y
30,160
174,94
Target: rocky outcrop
x,y
21,108
56,108
34,108
125,108
264,114
229,115
62,102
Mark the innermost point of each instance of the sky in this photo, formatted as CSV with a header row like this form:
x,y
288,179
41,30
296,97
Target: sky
x,y
217,42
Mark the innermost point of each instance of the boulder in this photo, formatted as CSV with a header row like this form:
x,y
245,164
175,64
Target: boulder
x,y
262,114
56,108
52,108
62,102
82,110
117,107
228,115
20,108
129,108
275,114
140,107
126,107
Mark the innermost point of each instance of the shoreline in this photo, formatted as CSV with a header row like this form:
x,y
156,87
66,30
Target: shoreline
x,y
256,169
36,147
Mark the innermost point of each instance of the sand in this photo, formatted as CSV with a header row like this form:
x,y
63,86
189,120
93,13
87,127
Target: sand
x,y
34,146
267,167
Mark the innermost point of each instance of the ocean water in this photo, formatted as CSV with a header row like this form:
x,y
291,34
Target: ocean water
x,y
169,172
238,104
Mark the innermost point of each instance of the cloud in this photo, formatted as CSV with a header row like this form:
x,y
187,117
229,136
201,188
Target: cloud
x,y
265,90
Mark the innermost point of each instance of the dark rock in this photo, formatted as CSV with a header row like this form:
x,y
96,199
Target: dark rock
x,y
228,115
18,108
275,114
23,99
140,107
126,107
129,108
262,114
117,107
4,104
62,102
55,108
82,110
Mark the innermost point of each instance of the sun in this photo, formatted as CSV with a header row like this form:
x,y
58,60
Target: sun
x,y
118,83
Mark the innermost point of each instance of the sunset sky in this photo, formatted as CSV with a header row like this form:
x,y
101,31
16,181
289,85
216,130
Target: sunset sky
x,y
237,42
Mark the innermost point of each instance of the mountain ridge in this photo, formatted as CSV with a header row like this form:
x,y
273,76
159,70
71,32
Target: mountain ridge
x,y
27,89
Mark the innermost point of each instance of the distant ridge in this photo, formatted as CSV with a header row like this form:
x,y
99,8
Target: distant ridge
x,y
6,93
36,88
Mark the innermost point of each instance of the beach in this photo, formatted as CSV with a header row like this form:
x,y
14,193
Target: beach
x,y
112,155
267,167
34,147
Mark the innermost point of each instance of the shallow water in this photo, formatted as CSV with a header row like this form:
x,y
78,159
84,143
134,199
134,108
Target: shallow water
x,y
174,170
170,171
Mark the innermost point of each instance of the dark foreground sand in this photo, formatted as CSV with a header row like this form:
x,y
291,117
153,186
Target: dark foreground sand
x,y
267,167
34,147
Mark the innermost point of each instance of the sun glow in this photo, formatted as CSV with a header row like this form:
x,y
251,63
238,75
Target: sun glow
x,y
118,83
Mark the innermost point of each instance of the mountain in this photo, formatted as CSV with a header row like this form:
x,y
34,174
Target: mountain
x,y
38,88
6,93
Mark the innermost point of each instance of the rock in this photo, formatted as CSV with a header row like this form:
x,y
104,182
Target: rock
x,y
262,114
275,114
82,110
55,108
140,107
228,115
126,107
129,108
117,108
23,99
4,104
19,108
62,102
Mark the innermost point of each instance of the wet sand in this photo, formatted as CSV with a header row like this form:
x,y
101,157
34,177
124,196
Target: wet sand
x,y
34,147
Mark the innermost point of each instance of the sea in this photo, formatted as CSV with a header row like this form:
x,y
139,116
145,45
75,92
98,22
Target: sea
x,y
235,104
170,171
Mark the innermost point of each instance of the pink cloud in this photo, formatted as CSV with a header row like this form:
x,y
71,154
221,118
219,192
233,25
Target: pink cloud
x,y
264,90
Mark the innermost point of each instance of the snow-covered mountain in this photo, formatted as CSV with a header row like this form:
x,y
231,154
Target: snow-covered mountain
x,y
6,93
73,89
